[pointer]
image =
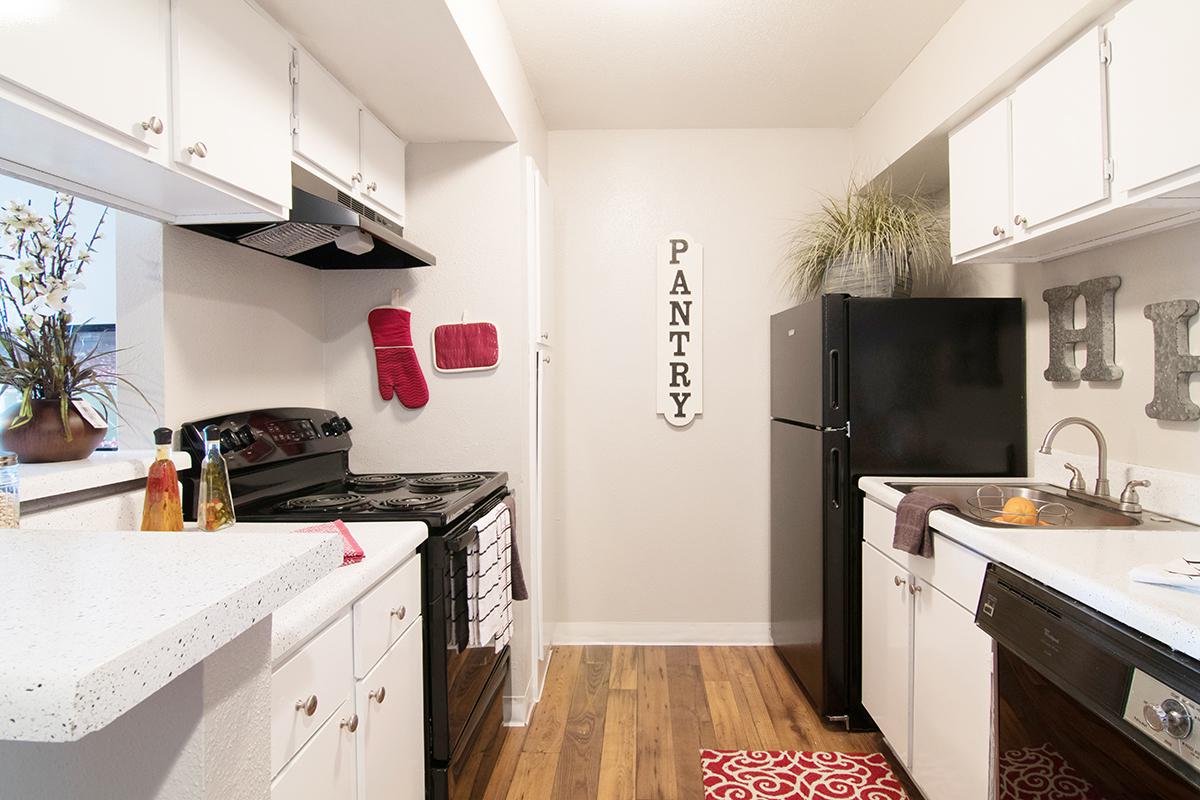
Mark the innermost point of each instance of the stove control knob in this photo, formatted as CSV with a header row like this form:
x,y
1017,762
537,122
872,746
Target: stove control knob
x,y
1170,716
228,441
245,436
346,426
327,429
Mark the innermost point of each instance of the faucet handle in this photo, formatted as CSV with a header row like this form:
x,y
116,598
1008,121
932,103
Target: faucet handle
x,y
1130,495
1078,483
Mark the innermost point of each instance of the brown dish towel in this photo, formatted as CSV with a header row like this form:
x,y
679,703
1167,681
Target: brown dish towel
x,y
912,523
519,590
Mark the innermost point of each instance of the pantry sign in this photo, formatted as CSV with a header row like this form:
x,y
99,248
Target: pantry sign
x,y
680,329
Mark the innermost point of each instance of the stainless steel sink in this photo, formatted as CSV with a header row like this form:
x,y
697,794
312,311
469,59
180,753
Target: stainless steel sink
x,y
1079,514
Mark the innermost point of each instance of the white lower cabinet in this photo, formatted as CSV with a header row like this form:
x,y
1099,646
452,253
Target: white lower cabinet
x,y
324,769
927,669
391,733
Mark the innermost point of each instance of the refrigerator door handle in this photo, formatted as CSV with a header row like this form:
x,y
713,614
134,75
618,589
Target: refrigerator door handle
x,y
835,477
835,400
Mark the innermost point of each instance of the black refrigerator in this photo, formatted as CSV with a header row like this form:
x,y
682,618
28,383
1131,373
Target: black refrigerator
x,y
874,386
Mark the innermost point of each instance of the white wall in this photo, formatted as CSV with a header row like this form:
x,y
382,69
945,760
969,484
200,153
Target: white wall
x,y
465,204
242,329
1163,266
662,534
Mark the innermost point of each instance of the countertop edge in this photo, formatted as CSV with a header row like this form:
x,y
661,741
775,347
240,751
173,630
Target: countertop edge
x,y
102,468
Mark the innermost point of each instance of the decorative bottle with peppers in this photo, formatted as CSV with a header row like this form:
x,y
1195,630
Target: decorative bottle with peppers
x,y
163,510
214,509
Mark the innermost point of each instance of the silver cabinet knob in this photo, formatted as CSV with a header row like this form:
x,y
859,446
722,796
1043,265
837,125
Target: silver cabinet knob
x,y
399,613
899,581
154,125
356,178
545,336
1019,220
350,724
199,150
997,231
309,706
377,695
914,589
545,359
372,186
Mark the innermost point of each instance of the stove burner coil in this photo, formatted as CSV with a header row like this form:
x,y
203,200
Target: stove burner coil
x,y
377,481
413,503
325,502
448,481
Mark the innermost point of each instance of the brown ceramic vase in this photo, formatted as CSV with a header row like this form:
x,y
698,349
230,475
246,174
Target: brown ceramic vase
x,y
42,438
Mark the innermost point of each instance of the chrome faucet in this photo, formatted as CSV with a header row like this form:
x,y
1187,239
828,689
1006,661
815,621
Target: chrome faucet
x,y
1102,487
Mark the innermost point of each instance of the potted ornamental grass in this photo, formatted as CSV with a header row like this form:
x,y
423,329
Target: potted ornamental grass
x,y
869,242
64,392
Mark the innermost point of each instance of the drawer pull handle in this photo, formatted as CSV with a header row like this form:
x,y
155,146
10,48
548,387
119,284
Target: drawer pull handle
x,y
377,694
914,589
309,706
399,613
154,125
899,581
199,150
350,724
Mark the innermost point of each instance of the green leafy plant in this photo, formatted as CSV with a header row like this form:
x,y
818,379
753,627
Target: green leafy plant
x,y
40,354
864,225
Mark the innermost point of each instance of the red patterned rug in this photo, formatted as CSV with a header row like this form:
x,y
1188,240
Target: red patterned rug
x,y
788,775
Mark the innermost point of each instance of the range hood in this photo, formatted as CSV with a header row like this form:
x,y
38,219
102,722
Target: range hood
x,y
326,229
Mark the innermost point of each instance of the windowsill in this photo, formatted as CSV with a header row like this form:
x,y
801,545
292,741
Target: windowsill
x,y
103,468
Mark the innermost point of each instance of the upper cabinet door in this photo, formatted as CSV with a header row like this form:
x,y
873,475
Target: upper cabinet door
x,y
382,165
979,181
233,97
1058,135
1152,80
105,61
326,123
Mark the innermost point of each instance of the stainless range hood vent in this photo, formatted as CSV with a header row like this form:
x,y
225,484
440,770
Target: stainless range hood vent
x,y
327,229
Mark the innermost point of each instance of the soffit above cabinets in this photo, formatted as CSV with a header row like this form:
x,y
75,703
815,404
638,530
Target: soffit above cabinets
x,y
406,61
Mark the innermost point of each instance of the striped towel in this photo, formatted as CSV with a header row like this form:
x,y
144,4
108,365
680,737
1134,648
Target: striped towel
x,y
489,579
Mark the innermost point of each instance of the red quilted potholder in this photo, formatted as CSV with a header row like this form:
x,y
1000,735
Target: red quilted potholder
x,y
465,346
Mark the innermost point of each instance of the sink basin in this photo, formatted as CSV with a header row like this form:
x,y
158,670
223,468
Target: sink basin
x,y
977,502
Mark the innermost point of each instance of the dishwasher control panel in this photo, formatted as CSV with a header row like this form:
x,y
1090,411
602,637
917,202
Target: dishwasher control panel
x,y
1169,718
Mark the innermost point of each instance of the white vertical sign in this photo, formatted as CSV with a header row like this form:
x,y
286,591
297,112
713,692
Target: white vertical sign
x,y
680,329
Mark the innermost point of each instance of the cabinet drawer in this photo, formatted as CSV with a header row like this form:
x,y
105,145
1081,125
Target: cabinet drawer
x,y
385,613
955,570
324,769
321,669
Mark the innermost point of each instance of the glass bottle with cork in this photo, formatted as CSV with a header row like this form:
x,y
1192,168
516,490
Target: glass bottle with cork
x,y
163,508
214,509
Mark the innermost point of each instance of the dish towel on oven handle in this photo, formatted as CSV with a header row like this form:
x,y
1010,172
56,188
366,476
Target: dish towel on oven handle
x,y
489,576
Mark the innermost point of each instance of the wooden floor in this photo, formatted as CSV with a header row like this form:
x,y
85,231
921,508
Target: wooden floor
x,y
627,723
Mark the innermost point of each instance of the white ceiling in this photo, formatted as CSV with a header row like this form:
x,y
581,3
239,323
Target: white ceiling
x,y
716,63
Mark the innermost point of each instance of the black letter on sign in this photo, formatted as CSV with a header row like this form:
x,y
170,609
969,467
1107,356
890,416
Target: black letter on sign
x,y
679,372
680,337
678,247
681,312
680,286
680,398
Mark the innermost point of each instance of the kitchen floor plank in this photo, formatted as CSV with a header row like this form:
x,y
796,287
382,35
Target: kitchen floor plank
x,y
656,751
618,759
583,738
589,739
548,726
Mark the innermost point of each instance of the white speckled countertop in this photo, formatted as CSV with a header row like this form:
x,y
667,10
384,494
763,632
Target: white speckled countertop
x,y
102,468
386,545
1090,566
95,622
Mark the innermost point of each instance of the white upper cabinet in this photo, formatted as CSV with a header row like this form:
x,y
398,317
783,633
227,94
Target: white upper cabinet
x,y
104,61
382,165
1058,135
979,181
326,123
232,97
1153,113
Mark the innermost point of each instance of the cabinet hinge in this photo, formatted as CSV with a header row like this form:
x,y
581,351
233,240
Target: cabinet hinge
x,y
294,79
1106,52
1109,168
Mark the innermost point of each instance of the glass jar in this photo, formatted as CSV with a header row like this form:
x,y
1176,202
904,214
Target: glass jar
x,y
10,495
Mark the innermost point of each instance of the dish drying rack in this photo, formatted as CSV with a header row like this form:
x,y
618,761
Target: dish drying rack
x,y
991,498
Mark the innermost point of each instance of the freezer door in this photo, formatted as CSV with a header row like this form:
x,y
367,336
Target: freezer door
x,y
797,555
796,364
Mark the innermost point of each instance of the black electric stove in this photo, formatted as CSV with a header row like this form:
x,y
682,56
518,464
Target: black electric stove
x,y
293,465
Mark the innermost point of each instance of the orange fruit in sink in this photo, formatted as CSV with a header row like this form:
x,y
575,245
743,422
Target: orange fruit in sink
x,y
1020,511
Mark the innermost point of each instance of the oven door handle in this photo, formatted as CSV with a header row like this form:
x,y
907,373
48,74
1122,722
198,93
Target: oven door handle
x,y
460,610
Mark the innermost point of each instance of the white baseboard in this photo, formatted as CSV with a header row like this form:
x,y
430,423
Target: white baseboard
x,y
695,633
519,708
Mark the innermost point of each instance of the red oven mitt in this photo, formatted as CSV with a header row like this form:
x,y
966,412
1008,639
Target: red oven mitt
x,y
395,358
